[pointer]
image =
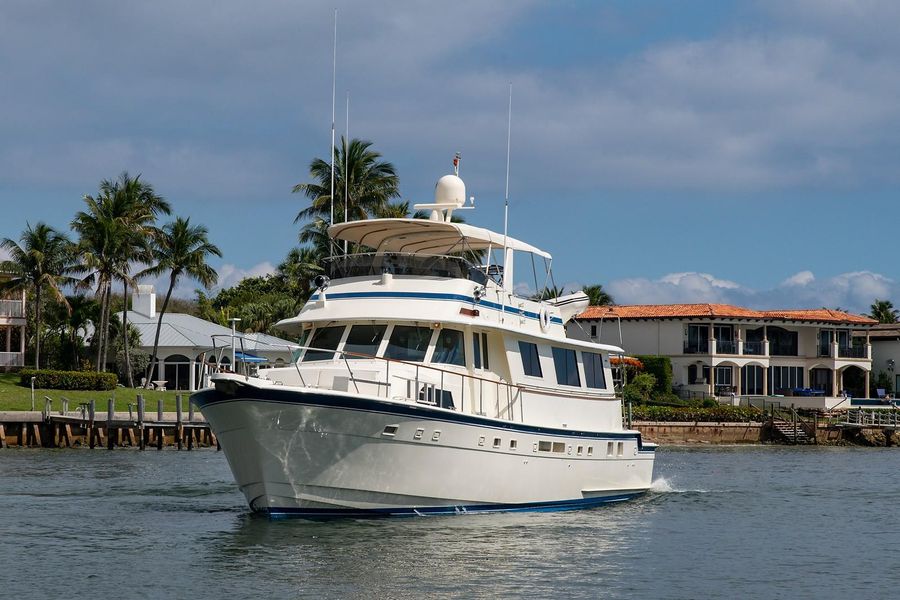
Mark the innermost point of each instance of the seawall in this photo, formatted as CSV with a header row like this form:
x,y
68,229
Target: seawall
x,y
698,432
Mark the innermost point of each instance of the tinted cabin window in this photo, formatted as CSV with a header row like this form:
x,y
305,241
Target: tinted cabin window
x,y
566,367
531,362
449,348
408,343
324,338
480,350
364,339
594,376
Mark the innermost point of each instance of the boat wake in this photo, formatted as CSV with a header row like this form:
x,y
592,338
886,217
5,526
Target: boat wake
x,y
661,485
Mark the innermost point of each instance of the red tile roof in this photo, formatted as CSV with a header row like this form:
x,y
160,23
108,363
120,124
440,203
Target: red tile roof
x,y
724,311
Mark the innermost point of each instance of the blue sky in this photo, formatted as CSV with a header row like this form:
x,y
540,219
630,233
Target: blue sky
x,y
721,151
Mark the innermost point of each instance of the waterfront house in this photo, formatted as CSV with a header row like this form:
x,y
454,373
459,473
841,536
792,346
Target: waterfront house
x,y
190,347
720,349
885,340
12,329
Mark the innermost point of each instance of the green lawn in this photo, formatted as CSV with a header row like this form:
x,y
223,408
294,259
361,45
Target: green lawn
x,y
15,397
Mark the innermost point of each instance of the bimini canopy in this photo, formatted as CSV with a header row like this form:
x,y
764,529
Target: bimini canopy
x,y
424,236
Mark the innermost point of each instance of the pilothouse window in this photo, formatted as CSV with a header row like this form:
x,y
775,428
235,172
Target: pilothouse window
x,y
480,350
566,367
324,338
531,362
449,348
364,339
408,343
594,376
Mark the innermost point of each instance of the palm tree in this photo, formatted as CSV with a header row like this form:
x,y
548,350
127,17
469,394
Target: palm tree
x,y
597,295
181,249
548,293
297,272
137,206
883,311
44,259
370,184
114,231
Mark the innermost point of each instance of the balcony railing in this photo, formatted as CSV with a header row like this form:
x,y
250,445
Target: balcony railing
x,y
12,359
12,308
696,347
825,351
753,348
852,352
726,347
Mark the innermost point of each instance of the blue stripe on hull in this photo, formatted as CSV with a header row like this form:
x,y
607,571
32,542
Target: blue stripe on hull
x,y
436,296
333,513
245,393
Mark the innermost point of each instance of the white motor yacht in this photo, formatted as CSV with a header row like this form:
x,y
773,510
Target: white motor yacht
x,y
427,385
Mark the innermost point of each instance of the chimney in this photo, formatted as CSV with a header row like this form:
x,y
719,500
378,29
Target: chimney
x,y
143,301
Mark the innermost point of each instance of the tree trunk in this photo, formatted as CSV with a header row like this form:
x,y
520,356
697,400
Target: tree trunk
x,y
98,328
128,377
106,326
37,327
153,361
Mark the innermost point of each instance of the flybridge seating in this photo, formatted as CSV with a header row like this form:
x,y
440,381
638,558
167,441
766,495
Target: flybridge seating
x,y
399,264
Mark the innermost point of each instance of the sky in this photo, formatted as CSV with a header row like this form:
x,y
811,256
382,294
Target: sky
x,y
724,151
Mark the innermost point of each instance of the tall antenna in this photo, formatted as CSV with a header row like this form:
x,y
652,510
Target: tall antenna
x,y
333,87
506,195
346,168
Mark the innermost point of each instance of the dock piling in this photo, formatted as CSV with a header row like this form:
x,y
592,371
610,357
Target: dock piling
x,y
110,415
140,410
92,412
159,419
179,422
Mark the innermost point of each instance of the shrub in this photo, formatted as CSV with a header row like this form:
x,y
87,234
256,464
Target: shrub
x,y
661,368
639,389
68,380
716,414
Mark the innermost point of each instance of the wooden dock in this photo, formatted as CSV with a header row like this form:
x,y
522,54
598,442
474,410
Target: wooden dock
x,y
87,427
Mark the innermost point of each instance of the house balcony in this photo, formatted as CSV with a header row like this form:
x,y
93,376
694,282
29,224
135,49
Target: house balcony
x,y
12,308
726,347
696,347
12,359
754,349
853,352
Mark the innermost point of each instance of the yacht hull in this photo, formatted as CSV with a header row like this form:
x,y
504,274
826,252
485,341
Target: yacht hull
x,y
318,453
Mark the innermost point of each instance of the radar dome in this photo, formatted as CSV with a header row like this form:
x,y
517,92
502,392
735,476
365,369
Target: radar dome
x,y
450,189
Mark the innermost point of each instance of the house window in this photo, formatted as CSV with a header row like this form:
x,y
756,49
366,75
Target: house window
x,y
531,362
697,375
593,331
594,376
324,338
408,343
364,339
784,379
449,348
723,376
697,339
566,367
782,342
751,380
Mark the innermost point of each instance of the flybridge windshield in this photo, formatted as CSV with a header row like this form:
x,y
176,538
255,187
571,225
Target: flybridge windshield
x,y
368,265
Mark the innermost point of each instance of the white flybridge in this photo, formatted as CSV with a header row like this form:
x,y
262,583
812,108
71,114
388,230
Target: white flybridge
x,y
427,385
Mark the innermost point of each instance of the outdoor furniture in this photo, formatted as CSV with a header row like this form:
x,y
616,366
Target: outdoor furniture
x,y
880,392
160,385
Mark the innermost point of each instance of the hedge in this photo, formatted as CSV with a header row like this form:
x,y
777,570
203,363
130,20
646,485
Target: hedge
x,y
68,380
661,368
718,414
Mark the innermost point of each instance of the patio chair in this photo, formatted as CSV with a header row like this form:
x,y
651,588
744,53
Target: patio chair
x,y
880,392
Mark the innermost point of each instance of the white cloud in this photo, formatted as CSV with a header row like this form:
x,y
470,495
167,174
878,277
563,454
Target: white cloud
x,y
854,291
230,275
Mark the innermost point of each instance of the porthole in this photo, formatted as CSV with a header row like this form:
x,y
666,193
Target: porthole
x,y
580,450
559,447
436,436
390,430
609,448
497,442
590,450
481,440
569,450
544,446
620,449
513,444
419,433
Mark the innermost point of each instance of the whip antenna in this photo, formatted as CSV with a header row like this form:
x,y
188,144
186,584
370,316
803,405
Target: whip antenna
x,y
333,86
